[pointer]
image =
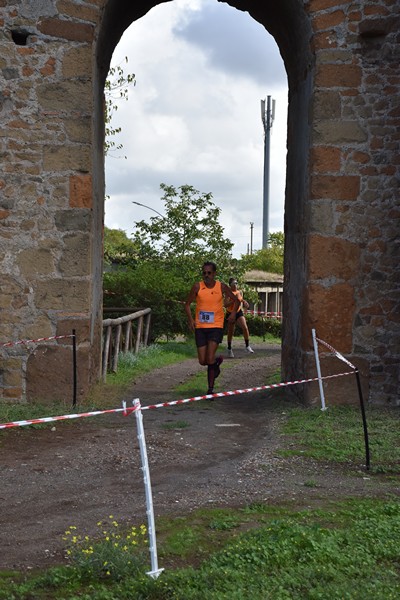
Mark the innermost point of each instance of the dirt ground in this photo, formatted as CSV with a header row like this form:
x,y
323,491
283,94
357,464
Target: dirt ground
x,y
221,452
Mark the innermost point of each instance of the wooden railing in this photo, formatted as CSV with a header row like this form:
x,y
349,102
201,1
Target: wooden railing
x,y
118,335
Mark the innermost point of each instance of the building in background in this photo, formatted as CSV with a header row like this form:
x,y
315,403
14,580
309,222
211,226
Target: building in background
x,y
269,287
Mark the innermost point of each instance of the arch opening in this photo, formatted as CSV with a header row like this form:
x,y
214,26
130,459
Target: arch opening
x,y
290,27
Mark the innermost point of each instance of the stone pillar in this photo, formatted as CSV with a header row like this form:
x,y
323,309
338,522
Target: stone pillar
x,y
48,232
352,254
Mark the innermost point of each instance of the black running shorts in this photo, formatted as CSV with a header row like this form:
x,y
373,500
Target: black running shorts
x,y
203,335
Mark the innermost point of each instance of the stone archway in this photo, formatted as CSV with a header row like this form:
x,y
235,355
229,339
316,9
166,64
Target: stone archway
x,y
341,258
289,24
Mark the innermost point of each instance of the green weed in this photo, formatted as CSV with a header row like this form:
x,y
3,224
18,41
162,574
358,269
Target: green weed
x,y
175,425
347,551
337,435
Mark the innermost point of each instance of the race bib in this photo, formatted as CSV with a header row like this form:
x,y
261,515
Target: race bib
x,y
206,317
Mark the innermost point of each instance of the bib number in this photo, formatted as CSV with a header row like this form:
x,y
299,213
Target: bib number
x,y
206,317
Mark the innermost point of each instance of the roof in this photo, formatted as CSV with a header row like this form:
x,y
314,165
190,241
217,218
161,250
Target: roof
x,y
262,276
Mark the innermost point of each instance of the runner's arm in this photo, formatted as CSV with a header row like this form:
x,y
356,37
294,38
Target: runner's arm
x,y
226,290
191,298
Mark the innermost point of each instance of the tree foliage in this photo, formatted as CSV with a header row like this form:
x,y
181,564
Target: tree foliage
x,y
188,233
116,88
118,248
268,259
167,253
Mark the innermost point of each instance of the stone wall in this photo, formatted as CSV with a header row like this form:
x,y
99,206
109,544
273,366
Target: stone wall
x,y
354,213
342,208
47,229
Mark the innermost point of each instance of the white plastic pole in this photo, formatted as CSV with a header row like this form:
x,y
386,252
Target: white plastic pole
x,y
155,571
321,387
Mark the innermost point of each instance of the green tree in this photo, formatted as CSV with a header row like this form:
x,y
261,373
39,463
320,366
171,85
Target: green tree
x,y
187,234
118,248
267,259
116,88
168,252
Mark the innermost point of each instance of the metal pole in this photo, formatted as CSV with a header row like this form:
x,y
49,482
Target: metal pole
x,y
266,174
364,419
74,367
267,119
155,571
321,387
251,237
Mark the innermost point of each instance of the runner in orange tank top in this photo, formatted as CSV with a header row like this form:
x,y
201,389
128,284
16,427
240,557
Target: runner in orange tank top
x,y
208,324
240,319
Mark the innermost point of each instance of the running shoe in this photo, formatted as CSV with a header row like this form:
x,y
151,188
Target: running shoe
x,y
230,353
210,391
249,350
217,369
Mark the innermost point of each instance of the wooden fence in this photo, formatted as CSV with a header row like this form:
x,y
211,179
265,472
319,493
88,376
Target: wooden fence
x,y
119,335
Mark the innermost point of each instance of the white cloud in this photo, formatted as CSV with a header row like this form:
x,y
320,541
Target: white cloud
x,y
194,116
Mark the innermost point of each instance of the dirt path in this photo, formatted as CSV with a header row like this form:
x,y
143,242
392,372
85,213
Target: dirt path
x,y
208,453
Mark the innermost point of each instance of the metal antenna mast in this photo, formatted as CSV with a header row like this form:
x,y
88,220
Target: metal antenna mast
x,y
267,117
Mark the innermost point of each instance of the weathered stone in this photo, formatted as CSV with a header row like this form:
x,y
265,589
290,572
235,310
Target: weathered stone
x,y
339,132
80,191
326,159
77,62
327,105
62,294
72,220
66,158
50,374
78,130
331,257
70,95
330,312
75,259
35,261
339,187
79,32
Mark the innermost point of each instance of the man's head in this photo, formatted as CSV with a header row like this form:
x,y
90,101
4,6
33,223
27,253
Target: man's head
x,y
208,270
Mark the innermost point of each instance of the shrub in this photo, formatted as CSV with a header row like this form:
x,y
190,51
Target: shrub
x,y
259,326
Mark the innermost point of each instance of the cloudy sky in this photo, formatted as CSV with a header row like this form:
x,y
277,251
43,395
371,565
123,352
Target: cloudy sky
x,y
194,117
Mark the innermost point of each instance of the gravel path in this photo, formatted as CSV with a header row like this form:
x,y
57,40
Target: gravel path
x,y
209,453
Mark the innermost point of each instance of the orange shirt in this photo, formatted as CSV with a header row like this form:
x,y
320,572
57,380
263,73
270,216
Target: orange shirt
x,y
229,308
209,306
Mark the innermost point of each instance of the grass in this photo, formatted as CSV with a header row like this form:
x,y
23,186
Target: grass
x,y
337,435
105,395
349,550
342,550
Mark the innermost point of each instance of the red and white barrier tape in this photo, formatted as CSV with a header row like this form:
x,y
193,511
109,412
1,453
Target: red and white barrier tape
x,y
128,410
336,353
272,315
43,339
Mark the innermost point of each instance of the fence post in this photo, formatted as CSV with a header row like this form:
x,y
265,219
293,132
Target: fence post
x,y
128,329
155,571
117,342
139,334
106,350
74,367
147,329
321,387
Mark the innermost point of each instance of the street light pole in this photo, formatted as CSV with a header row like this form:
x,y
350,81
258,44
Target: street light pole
x,y
267,117
149,207
251,237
